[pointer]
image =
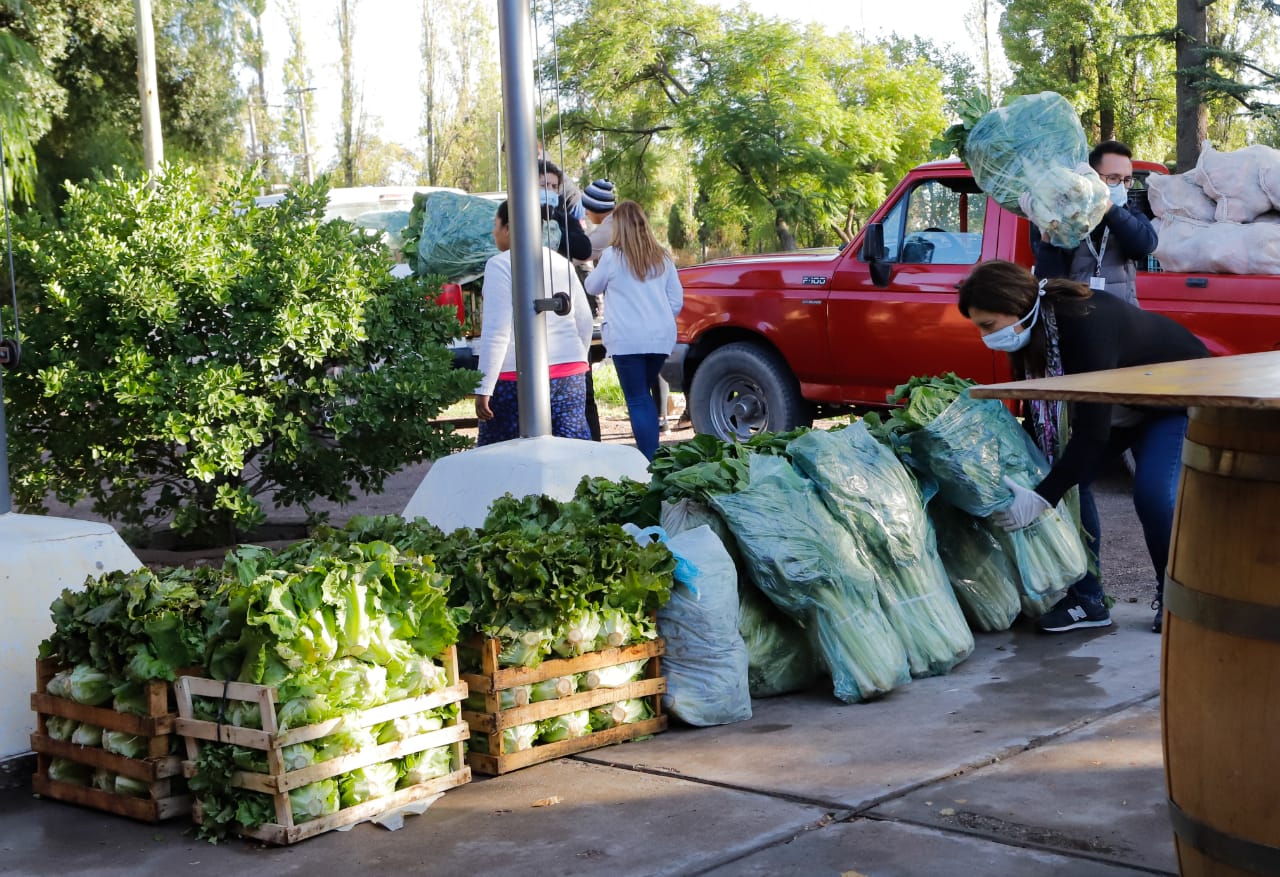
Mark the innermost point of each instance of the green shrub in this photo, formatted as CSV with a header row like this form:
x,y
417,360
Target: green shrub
x,y
185,356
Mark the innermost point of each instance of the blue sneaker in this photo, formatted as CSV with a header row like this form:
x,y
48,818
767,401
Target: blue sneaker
x,y
1072,613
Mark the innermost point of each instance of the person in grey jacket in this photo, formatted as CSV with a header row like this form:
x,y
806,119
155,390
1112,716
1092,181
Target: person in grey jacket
x,y
1107,259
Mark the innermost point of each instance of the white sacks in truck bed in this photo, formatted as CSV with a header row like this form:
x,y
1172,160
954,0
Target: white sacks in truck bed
x,y
1220,217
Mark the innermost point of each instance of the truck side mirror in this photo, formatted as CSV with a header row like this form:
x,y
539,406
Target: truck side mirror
x,y
873,254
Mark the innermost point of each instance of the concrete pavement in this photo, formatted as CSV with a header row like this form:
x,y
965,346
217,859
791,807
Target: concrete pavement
x,y
1037,756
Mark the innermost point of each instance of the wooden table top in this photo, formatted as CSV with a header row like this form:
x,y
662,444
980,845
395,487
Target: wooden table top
x,y
1251,380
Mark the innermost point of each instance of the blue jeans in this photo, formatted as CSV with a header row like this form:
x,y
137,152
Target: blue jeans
x,y
1157,452
637,373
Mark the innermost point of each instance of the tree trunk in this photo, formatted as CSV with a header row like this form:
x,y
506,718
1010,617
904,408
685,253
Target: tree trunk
x,y
1193,117
786,239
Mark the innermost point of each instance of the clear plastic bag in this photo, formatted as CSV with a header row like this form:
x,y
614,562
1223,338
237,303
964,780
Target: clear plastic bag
x,y
865,486
1034,145
982,573
457,235
803,560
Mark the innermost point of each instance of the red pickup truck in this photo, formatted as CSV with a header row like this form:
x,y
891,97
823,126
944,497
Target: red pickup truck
x,y
768,342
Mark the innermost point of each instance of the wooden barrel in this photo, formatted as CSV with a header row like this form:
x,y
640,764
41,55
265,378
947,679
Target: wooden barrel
x,y
1220,669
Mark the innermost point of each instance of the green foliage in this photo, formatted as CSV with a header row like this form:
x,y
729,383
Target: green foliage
x,y
785,127
186,356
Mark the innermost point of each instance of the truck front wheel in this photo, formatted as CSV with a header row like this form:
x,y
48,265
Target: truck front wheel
x,y
742,389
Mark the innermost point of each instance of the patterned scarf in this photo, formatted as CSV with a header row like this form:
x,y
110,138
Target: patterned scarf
x,y
1049,419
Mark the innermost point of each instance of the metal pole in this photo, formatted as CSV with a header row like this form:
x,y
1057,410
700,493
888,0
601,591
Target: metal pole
x,y
6,499
534,385
152,145
306,141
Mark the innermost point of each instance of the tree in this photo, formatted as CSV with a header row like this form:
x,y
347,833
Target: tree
x,y
30,41
261,123
1101,55
300,98
189,354
784,128
99,127
350,115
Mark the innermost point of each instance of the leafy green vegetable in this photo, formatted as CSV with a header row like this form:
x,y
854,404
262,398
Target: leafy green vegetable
x,y
799,556
981,571
87,735
613,676
622,712
868,490
124,743
89,686
63,770
564,727
551,689
61,728
419,767
367,783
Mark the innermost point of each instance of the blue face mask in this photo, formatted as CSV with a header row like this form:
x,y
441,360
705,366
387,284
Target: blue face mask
x,y
548,198
1119,194
1008,339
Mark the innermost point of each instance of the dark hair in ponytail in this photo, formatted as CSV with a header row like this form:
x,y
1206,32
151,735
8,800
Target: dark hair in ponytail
x,y
1007,288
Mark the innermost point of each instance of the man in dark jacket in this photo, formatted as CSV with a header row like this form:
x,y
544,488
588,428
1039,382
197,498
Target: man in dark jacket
x,y
1107,259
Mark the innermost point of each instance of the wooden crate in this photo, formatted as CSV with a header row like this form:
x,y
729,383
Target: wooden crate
x,y
161,769
278,782
494,720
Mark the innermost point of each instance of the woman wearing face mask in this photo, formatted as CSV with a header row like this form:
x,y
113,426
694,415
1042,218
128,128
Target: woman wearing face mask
x,y
1055,327
574,243
1106,260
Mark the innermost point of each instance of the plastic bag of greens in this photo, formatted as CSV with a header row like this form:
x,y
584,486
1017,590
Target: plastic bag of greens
x,y
314,800
1049,553
706,660
621,712
969,448
87,735
367,783
1035,146
866,487
780,658
566,727
686,514
803,560
418,767
456,234
982,573
64,770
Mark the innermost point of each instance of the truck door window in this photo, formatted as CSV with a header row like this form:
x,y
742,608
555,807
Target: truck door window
x,y
937,222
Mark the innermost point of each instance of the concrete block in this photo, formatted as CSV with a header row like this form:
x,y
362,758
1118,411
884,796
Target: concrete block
x,y
41,556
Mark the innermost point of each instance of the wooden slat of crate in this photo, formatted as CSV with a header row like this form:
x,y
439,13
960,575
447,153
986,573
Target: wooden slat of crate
x,y
288,834
144,769
495,678
253,738
103,717
495,723
495,765
295,779
160,806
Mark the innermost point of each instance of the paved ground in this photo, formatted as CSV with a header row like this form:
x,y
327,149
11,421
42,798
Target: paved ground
x,y
1037,756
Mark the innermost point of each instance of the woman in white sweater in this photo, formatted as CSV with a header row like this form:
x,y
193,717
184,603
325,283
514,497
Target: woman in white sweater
x,y
642,296
568,339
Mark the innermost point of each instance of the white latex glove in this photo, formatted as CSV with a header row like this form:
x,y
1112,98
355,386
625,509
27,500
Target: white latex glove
x,y
1027,505
1024,203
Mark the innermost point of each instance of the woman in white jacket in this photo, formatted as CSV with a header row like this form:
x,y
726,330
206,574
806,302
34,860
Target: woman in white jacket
x,y
642,296
568,339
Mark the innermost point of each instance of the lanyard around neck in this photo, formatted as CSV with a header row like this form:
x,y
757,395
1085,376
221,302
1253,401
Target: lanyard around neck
x,y
1098,253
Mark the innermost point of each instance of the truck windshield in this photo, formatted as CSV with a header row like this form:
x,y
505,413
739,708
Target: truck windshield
x,y
936,221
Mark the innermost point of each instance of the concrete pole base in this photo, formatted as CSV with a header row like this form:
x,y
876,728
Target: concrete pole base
x,y
458,490
42,556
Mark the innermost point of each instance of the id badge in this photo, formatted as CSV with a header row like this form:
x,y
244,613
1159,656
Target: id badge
x,y
1098,284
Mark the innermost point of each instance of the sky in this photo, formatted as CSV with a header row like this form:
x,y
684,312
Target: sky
x,y
387,35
